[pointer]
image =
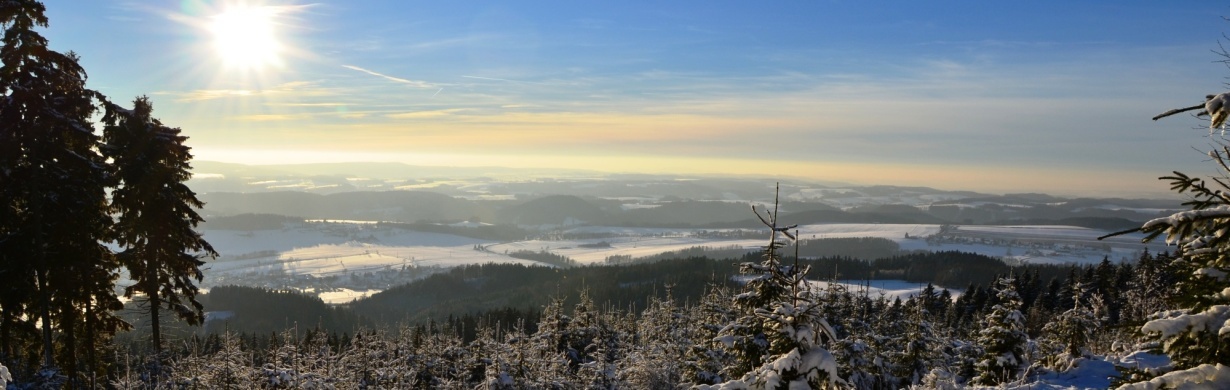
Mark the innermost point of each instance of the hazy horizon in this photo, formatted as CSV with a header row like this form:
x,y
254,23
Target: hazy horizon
x,y
520,173
1051,97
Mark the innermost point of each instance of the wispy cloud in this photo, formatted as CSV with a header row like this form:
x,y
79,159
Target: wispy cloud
x,y
415,83
207,94
325,104
451,42
299,88
504,80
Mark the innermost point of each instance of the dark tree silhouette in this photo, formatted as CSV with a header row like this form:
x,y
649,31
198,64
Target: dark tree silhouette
x,y
156,213
53,191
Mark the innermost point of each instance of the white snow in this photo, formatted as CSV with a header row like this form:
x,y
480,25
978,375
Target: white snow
x,y
1215,317
1204,376
5,376
622,246
336,259
345,295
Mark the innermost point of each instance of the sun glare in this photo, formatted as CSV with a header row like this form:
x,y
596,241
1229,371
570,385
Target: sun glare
x,y
244,37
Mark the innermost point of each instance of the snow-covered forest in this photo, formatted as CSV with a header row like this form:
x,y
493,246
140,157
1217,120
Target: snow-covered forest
x,y
1020,332
84,203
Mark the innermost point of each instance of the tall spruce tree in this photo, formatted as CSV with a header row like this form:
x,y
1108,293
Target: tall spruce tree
x,y
156,213
53,191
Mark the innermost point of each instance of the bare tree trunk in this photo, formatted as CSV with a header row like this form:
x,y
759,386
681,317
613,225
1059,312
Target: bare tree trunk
x,y
45,315
91,341
156,329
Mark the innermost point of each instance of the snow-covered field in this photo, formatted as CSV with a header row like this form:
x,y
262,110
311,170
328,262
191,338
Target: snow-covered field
x,y
332,259
621,246
889,289
346,249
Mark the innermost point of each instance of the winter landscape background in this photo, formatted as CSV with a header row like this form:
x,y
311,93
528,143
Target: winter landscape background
x,y
560,195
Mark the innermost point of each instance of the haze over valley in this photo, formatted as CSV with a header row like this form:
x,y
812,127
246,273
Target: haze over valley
x,y
344,231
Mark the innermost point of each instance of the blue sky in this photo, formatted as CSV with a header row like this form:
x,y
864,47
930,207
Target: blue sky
x,y
1045,96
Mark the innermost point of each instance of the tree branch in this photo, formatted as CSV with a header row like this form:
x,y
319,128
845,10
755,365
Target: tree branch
x,y
1178,110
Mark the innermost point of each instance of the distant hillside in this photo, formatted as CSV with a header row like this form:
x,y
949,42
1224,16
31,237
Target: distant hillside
x,y
554,210
686,213
473,289
366,192
249,221
403,206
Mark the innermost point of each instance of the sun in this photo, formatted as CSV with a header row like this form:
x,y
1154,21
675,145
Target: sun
x,y
245,37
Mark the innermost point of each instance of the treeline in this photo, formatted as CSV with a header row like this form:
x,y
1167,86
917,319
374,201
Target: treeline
x,y
856,247
484,232
546,257
249,311
250,221
946,268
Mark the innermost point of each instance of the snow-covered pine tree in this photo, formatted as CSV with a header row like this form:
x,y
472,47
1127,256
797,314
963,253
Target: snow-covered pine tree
x,y
231,367
658,353
374,362
781,333
319,361
1067,337
284,366
1003,338
511,359
706,357
918,346
1197,335
547,358
1150,288
440,362
590,348
858,349
492,357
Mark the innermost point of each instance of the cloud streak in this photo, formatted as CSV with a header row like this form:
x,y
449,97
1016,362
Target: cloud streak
x,y
415,83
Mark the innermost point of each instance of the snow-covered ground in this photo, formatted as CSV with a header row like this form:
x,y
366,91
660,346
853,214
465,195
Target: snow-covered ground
x,y
895,232
345,295
332,259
